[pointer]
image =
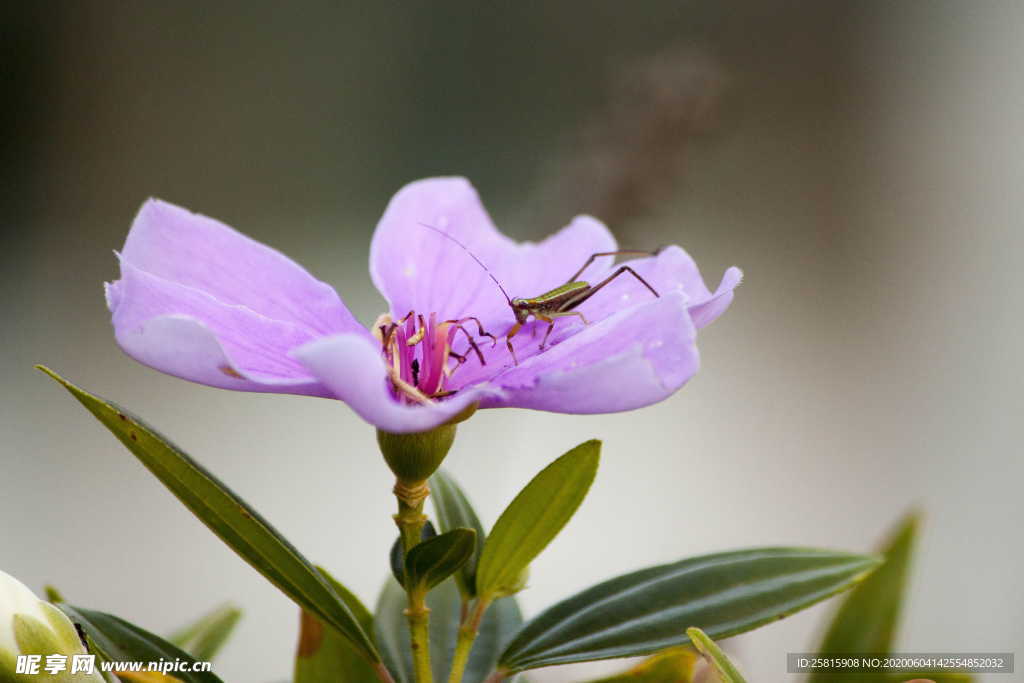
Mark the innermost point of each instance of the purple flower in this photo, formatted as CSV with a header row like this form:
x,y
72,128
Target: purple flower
x,y
201,301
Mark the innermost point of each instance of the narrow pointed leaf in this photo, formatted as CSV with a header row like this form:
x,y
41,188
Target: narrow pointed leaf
x,y
453,510
435,559
391,630
115,640
674,665
646,611
204,638
227,515
323,655
534,518
867,619
727,673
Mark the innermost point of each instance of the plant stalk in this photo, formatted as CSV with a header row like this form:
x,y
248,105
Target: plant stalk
x,y
419,628
467,636
410,520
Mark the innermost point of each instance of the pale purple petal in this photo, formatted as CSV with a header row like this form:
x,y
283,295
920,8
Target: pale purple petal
x,y
704,312
188,333
631,359
417,269
201,253
352,368
671,270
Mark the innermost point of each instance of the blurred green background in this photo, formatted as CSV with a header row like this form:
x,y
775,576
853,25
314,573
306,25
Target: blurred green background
x,y
861,161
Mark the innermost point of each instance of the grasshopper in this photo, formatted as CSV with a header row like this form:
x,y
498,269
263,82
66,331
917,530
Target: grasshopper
x,y
559,302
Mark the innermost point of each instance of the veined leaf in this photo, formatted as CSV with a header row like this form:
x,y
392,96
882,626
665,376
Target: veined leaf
x,y
674,665
434,560
115,640
323,655
727,673
397,554
453,510
228,516
646,611
204,638
534,518
391,629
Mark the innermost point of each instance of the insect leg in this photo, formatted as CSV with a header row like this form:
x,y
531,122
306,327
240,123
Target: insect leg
x,y
569,305
623,252
508,341
479,328
472,344
551,322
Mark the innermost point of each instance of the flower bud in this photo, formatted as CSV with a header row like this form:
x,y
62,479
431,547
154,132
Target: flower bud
x,y
30,626
414,457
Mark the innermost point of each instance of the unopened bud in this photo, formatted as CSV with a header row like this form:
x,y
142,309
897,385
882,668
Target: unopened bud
x,y
30,626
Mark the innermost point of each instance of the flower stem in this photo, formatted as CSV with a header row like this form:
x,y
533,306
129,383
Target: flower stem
x,y
410,520
467,635
419,629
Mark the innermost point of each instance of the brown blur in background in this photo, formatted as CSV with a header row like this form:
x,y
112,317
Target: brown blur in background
x,y
861,161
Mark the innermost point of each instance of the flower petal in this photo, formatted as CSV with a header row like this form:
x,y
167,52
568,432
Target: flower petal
x,y
177,245
188,333
671,270
704,312
631,359
417,269
353,369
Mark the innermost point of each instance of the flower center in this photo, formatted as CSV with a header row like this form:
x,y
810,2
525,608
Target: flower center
x,y
419,356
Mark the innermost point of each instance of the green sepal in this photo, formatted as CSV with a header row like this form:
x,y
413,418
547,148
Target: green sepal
x,y
534,518
414,457
35,637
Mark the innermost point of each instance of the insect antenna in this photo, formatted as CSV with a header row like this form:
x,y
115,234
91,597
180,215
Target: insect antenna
x,y
479,262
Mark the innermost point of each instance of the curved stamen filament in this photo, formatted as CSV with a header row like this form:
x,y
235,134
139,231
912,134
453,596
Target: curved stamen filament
x,y
417,351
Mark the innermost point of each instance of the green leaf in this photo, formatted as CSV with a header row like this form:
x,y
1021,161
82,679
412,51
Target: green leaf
x,y
646,611
204,638
435,559
228,516
867,619
674,665
115,640
323,656
397,554
391,630
727,673
534,518
453,510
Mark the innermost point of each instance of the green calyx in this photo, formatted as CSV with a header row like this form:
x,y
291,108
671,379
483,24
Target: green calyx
x,y
414,457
